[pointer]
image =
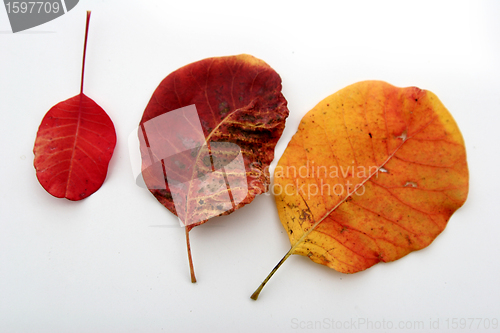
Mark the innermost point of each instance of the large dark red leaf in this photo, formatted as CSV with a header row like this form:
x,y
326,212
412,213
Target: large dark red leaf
x,y
208,134
74,145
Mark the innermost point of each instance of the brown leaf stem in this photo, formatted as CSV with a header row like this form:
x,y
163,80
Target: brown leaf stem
x,y
191,267
256,293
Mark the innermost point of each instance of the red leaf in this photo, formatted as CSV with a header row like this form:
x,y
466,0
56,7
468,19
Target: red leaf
x,y
74,144
208,134
233,100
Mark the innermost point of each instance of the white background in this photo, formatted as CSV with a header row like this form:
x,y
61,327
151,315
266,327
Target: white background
x,y
116,261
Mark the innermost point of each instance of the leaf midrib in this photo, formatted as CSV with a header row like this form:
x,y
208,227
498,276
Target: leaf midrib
x,y
77,131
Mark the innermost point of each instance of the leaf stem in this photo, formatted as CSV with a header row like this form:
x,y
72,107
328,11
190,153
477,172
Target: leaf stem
x,y
191,267
256,293
85,49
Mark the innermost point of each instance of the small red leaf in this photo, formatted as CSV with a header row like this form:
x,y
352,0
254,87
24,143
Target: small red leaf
x,y
74,144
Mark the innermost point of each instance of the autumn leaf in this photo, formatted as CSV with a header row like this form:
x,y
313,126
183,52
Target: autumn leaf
x,y
74,144
373,173
207,137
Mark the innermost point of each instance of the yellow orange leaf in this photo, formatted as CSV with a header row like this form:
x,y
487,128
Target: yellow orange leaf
x,y
373,173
